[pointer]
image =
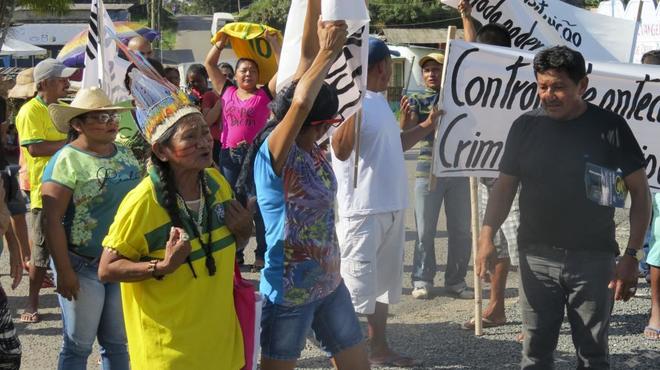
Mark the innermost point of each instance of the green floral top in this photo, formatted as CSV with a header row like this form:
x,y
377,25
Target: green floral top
x,y
98,185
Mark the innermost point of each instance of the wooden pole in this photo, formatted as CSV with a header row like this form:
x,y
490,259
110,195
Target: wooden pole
x,y
474,209
358,126
451,34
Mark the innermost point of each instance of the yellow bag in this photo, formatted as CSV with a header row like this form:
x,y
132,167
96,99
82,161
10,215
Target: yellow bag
x,y
248,42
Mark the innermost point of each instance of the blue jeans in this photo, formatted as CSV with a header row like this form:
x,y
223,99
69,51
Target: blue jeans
x,y
455,192
231,161
554,281
332,318
96,313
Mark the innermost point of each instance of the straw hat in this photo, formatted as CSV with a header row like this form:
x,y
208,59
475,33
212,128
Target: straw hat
x,y
86,100
25,87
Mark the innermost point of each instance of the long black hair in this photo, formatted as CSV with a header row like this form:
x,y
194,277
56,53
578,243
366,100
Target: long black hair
x,y
325,107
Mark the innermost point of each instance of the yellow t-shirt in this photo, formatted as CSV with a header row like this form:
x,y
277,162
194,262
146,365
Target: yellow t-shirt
x,y
178,322
35,126
248,42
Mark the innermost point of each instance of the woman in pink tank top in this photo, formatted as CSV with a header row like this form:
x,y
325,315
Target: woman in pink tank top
x,y
244,114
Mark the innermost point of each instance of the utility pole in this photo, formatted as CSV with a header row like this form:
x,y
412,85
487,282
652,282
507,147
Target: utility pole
x,y
239,6
154,9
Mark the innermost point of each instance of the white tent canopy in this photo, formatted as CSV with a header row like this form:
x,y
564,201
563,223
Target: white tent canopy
x,y
20,49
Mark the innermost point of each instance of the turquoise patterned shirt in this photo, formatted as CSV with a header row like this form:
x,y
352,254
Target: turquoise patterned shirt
x,y
98,184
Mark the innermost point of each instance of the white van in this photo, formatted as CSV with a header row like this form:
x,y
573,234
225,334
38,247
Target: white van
x,y
219,20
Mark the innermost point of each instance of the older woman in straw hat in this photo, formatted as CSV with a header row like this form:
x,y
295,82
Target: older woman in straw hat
x,y
173,242
83,184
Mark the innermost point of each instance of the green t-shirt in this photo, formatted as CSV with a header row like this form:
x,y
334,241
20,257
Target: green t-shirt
x,y
98,185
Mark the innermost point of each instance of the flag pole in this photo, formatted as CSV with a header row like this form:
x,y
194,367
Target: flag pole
x,y
358,126
100,21
451,34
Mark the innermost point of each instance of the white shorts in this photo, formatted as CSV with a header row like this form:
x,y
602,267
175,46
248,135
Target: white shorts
x,y
372,258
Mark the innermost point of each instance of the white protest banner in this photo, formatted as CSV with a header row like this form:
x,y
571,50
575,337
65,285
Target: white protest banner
x,y
103,68
648,36
349,73
535,24
488,87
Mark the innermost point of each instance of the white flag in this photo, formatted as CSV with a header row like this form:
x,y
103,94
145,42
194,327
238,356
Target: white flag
x,y
648,36
349,73
536,24
103,67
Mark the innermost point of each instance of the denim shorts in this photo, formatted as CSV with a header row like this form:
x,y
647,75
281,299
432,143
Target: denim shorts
x,y
333,320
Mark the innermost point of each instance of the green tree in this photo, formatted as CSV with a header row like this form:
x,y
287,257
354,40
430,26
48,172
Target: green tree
x,y
270,12
41,6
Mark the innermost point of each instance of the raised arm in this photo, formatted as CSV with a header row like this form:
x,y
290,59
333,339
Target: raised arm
x,y
276,45
309,46
218,78
331,39
469,31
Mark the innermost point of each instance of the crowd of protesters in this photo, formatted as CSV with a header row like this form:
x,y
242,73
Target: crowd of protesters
x,y
143,253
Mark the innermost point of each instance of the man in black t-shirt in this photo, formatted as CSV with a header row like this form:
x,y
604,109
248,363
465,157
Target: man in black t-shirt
x,y
561,155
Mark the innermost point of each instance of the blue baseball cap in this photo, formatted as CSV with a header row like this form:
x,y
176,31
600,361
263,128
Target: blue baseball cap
x,y
378,50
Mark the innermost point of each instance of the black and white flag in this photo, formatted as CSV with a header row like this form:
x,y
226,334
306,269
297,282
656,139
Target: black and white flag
x,y
349,73
103,68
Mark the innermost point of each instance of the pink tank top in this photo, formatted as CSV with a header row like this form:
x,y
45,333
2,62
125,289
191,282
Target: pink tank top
x,y
243,119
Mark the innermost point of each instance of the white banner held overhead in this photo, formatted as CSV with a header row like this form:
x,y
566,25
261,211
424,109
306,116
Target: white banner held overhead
x,y
349,73
488,87
103,68
535,24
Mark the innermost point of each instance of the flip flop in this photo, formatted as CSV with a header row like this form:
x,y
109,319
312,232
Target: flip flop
x,y
485,323
651,333
30,317
394,360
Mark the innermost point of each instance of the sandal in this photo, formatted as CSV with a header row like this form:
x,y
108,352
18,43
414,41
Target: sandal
x,y
30,317
651,333
394,360
485,323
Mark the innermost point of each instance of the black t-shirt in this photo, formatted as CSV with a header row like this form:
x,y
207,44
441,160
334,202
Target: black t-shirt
x,y
549,158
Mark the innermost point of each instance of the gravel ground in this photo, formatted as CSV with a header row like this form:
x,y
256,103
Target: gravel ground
x,y
428,330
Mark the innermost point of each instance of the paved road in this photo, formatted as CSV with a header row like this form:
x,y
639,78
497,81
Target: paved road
x,y
428,330
193,34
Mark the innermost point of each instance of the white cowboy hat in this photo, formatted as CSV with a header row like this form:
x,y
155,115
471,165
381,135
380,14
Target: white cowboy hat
x,y
86,100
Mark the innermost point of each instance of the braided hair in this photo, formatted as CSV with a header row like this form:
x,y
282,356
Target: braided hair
x,y
168,188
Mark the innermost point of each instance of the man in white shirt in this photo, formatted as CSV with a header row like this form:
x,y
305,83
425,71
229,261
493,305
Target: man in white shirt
x,y
371,216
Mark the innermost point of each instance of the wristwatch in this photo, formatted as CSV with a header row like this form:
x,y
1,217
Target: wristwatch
x,y
637,254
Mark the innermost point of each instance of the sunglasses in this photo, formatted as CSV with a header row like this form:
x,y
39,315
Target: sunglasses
x,y
104,118
334,122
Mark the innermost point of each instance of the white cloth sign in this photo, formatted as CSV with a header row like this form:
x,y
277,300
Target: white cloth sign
x,y
535,24
648,36
103,68
488,87
349,73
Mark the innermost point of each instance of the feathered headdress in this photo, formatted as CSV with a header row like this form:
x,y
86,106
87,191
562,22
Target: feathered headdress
x,y
159,106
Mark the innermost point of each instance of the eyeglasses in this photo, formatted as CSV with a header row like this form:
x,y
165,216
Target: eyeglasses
x,y
105,118
334,122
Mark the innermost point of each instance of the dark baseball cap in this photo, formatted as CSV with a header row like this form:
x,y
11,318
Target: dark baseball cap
x,y
378,50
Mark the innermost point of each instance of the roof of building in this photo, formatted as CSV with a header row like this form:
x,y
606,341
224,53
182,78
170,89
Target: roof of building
x,y
417,35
